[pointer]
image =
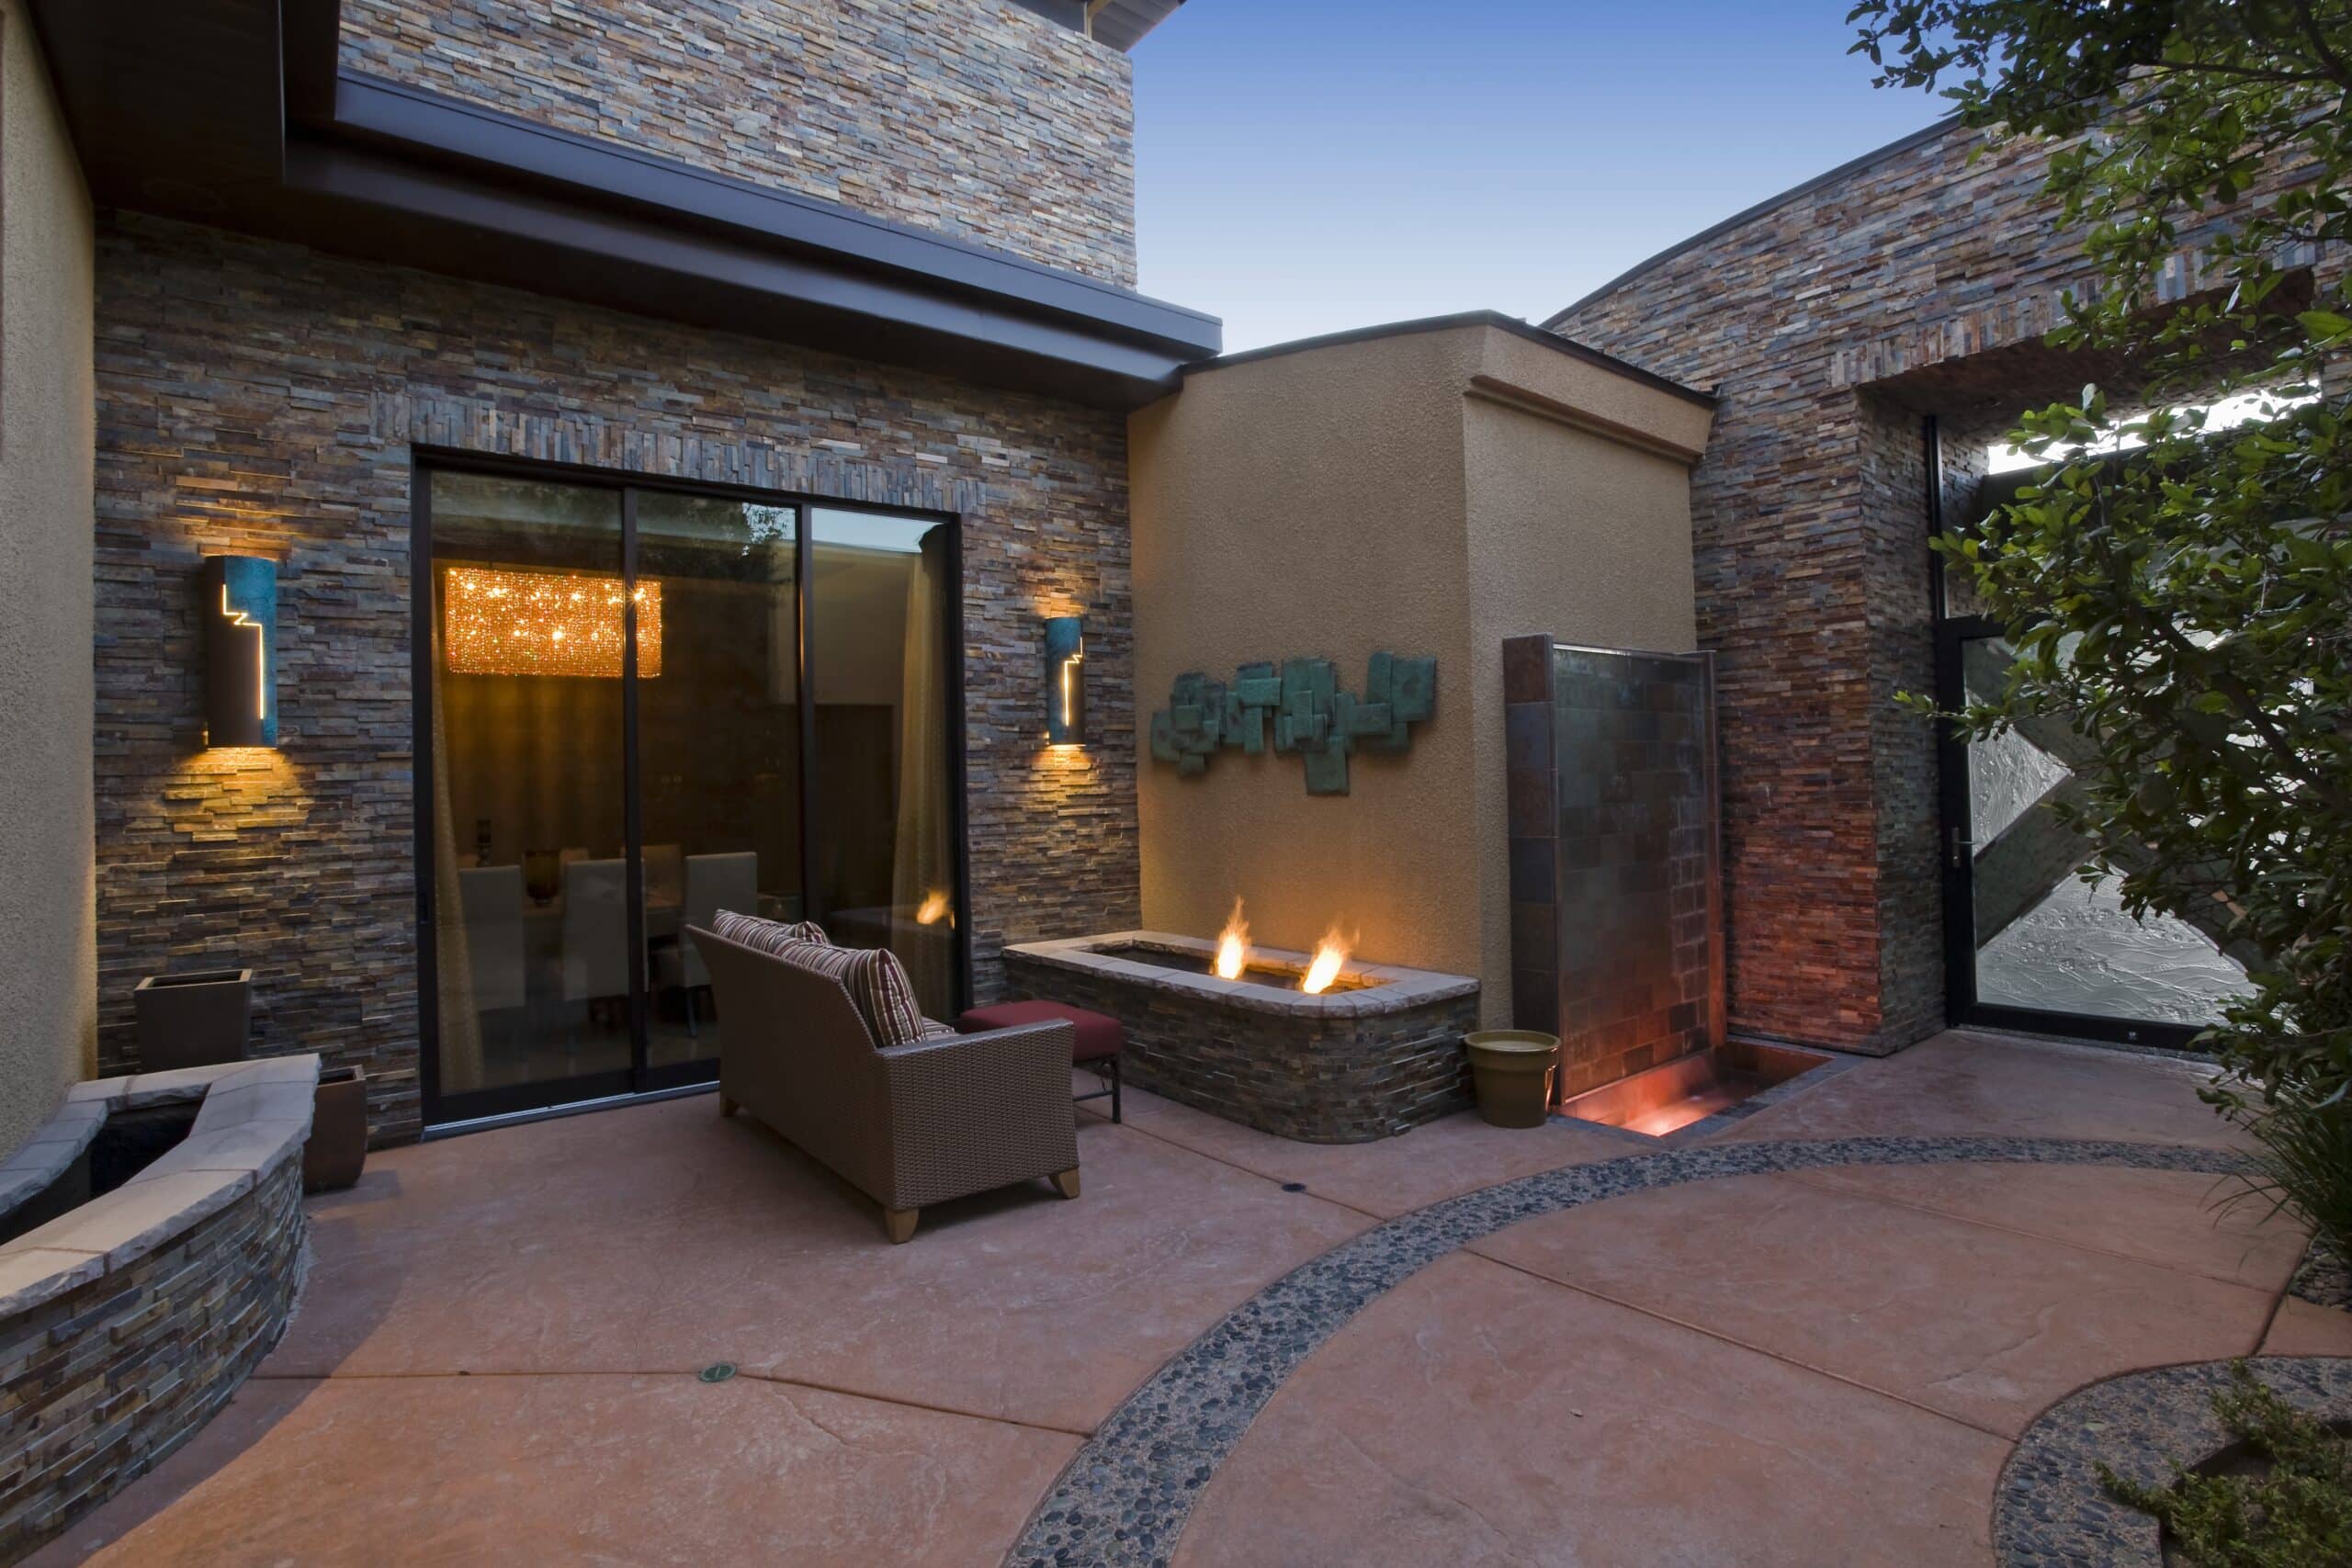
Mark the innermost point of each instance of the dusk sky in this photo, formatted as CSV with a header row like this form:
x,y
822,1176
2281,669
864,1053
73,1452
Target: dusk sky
x,y
1306,166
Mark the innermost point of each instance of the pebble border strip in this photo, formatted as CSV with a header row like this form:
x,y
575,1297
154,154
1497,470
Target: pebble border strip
x,y
2050,1510
1125,1497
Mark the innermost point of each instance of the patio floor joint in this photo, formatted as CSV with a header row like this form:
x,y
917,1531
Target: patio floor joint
x,y
744,1374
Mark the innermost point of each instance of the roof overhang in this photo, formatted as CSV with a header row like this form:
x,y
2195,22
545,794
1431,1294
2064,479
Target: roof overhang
x,y
1119,23
221,112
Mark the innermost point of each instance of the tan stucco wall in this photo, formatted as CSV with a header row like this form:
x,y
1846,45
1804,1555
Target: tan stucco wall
x,y
48,947
1398,494
1308,505
1573,534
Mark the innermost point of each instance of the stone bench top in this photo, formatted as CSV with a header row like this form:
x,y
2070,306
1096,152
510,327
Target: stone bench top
x,y
254,1116
1378,989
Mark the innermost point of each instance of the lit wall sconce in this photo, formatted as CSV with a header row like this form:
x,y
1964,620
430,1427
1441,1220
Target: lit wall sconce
x,y
1065,681
240,651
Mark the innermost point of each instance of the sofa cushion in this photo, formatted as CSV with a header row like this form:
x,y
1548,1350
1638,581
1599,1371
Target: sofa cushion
x,y
1099,1036
875,981
765,936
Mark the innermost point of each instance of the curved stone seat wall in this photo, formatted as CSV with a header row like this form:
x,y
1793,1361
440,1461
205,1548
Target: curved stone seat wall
x,y
126,1322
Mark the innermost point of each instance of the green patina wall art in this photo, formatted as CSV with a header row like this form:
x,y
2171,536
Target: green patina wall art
x,y
1299,708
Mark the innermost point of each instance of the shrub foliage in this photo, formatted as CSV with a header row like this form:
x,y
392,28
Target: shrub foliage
x,y
2189,609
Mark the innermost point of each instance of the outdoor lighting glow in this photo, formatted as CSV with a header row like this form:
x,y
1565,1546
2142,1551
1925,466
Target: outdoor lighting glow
x,y
244,623
240,651
1330,953
1065,681
1233,946
1660,1120
543,622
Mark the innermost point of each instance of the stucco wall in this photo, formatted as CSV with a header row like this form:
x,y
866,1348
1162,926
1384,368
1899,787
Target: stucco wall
x,y
47,977
1572,536
976,118
1311,504
1427,493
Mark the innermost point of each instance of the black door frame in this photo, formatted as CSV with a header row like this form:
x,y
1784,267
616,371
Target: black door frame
x,y
1957,850
640,1079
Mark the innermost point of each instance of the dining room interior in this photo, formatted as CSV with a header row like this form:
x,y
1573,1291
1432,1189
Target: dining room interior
x,y
640,718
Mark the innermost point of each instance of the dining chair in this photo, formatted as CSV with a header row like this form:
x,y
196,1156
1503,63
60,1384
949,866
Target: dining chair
x,y
490,902
713,883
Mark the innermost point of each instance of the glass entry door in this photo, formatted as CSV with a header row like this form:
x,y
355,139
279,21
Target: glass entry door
x,y
2030,944
640,707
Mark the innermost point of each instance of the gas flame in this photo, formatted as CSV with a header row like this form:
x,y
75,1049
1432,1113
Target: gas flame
x,y
1233,945
933,910
1330,953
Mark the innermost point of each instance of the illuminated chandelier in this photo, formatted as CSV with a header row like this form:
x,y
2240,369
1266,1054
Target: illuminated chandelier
x,y
500,621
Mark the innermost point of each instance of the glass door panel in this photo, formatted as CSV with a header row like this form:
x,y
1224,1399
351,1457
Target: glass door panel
x,y
2044,946
531,949
718,745
648,707
883,841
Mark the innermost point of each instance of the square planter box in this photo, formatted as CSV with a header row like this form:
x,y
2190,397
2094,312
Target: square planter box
x,y
338,1145
200,1019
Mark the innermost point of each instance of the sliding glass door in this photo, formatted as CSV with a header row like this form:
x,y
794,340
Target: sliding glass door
x,y
882,872
640,706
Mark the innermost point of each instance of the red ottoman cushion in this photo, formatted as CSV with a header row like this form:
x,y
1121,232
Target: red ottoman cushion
x,y
1097,1036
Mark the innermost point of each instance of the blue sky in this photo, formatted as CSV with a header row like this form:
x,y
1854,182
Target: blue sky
x,y
1306,166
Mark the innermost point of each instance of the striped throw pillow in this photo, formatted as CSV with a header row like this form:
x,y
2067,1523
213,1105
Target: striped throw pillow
x,y
766,936
875,981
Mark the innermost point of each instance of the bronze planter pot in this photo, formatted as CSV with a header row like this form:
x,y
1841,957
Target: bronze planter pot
x,y
200,1019
1513,1070
338,1145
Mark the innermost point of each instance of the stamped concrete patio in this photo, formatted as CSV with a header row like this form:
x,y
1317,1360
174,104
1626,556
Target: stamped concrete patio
x,y
1773,1346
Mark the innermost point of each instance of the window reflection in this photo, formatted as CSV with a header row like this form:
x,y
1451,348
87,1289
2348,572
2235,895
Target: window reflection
x,y
884,872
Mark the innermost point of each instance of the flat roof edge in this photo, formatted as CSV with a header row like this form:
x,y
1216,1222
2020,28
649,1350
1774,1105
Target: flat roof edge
x,y
375,109
1495,319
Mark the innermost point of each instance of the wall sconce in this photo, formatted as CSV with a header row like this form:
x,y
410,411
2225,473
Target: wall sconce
x,y
1065,681
240,651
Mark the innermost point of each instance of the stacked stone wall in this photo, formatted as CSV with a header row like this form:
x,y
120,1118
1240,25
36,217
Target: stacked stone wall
x,y
256,398
974,119
1831,325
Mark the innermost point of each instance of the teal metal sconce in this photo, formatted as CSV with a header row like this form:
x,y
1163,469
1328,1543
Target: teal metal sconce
x,y
1065,681
240,651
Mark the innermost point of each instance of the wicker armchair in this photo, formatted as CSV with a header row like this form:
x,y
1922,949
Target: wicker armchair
x,y
909,1126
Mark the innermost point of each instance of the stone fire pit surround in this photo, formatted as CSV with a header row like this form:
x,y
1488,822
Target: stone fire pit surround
x,y
1379,1052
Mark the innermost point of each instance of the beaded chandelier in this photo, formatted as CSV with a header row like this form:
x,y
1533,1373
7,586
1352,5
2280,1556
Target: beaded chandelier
x,y
499,621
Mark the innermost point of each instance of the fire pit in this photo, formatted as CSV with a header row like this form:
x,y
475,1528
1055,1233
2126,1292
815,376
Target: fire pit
x,y
1372,1051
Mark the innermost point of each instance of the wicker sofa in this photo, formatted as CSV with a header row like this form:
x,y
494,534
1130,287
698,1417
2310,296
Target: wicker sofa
x,y
909,1125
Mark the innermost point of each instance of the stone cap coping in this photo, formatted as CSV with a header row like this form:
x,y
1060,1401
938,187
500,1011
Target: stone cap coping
x,y
1378,989
254,1116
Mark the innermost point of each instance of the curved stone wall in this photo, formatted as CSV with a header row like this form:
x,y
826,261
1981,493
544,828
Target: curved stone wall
x,y
128,1320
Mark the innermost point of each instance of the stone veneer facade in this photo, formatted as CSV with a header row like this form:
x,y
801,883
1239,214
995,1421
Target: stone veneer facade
x,y
1349,1066
99,1384
974,119
258,398
1914,282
